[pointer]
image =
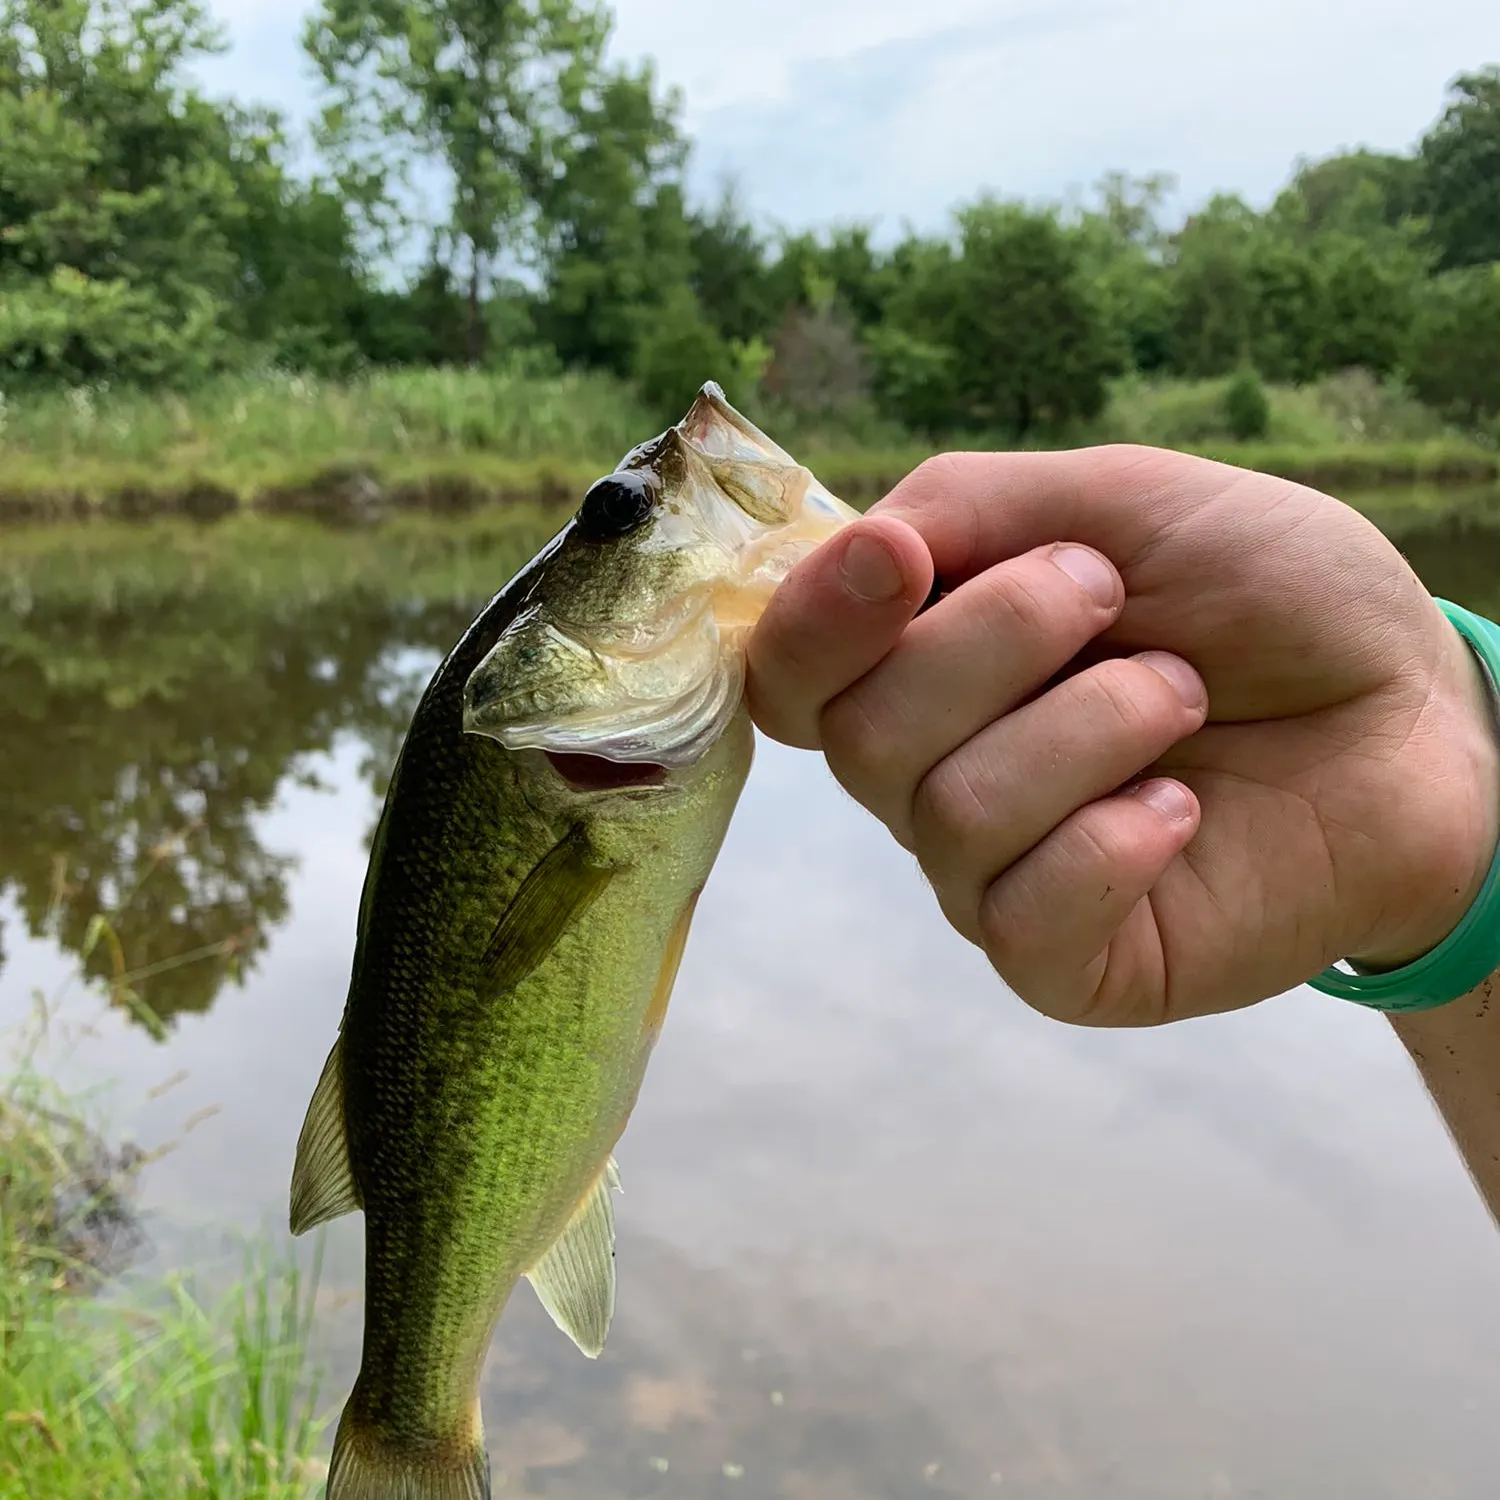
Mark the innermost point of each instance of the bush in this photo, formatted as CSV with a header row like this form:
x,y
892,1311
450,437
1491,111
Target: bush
x,y
818,366
1453,362
678,350
1247,409
1368,409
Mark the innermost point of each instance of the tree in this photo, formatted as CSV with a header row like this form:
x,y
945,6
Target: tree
x,y
300,296
1007,329
1211,294
117,194
1286,307
1132,208
424,324
1460,163
1032,347
1369,296
678,350
915,367
148,233
1362,193
478,87
842,267
616,244
1453,362
1243,290
1122,249
818,367
731,273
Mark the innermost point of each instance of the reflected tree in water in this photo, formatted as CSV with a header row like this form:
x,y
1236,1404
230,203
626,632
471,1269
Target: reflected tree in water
x,y
143,749
160,692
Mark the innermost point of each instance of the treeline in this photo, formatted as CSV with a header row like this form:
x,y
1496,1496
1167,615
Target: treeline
x,y
150,235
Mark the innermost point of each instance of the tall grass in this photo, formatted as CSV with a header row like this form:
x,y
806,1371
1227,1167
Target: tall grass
x,y
243,419
1352,408
162,1394
260,437
159,1391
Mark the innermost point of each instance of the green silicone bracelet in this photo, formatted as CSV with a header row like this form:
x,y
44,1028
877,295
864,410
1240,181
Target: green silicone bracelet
x,y
1471,952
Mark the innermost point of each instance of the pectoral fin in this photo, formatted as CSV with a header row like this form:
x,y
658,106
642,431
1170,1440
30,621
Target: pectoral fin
x,y
557,892
323,1184
575,1279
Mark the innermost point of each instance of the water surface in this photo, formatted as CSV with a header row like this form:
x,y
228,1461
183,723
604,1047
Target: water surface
x,y
885,1233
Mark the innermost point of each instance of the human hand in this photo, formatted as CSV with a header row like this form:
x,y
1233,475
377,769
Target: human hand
x,y
1171,775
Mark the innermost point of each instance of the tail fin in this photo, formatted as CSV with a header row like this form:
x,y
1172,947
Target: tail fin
x,y
369,1466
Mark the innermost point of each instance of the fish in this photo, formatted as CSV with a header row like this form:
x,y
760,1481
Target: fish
x,y
557,804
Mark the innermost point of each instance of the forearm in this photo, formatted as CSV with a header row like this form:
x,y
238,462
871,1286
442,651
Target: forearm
x,y
1457,1051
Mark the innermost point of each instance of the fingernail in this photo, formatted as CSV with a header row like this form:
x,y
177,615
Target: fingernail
x,y
1167,798
1090,572
1186,683
869,570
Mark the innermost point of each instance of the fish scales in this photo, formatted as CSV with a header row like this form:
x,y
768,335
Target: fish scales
x,y
557,806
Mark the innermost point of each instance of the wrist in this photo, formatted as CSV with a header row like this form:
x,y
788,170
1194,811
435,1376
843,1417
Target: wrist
x,y
1457,798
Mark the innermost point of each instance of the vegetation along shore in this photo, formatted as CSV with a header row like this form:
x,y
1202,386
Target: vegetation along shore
x,y
201,308
452,439
158,1390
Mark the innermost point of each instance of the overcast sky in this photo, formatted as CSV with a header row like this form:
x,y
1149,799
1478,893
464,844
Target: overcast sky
x,y
896,109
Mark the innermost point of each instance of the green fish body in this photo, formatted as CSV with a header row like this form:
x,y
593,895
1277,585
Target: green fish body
x,y
558,804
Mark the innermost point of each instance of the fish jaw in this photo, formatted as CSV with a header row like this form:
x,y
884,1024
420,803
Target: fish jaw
x,y
632,649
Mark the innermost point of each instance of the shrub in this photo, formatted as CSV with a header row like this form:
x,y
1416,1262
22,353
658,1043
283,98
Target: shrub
x,y
1247,409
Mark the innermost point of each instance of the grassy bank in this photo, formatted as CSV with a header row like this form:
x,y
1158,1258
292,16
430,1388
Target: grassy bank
x,y
449,439
161,1395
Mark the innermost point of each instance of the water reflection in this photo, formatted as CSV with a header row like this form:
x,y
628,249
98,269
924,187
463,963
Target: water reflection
x,y
147,738
150,733
884,1234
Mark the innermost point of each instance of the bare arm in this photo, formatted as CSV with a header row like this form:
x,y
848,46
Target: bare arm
x,y
1457,1051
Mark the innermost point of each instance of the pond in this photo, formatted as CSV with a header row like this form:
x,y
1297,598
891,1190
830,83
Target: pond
x,y
885,1233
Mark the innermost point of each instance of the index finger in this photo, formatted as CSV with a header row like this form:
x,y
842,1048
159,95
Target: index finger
x,y
833,619
974,510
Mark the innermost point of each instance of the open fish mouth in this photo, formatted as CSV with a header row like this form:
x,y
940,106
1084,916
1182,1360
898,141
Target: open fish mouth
x,y
630,639
595,773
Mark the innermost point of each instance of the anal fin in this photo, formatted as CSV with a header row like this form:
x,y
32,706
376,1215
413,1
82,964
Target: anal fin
x,y
575,1279
323,1184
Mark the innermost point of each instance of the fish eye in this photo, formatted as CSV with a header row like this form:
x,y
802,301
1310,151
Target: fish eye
x,y
615,505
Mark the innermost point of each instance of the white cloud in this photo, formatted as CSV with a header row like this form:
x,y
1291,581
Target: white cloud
x,y
892,109
760,51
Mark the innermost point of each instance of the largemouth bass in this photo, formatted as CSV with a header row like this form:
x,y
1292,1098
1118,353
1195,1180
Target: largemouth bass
x,y
558,803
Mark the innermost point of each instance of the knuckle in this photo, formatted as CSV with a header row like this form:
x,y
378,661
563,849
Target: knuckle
x,y
1119,702
1016,605
857,744
778,718
939,475
951,802
1139,463
934,483
1001,932
1094,846
1013,934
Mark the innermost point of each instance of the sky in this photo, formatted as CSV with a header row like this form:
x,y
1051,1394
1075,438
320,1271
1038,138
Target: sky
x,y
893,111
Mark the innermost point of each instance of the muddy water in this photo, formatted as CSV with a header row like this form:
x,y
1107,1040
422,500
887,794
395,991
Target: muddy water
x,y
884,1233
